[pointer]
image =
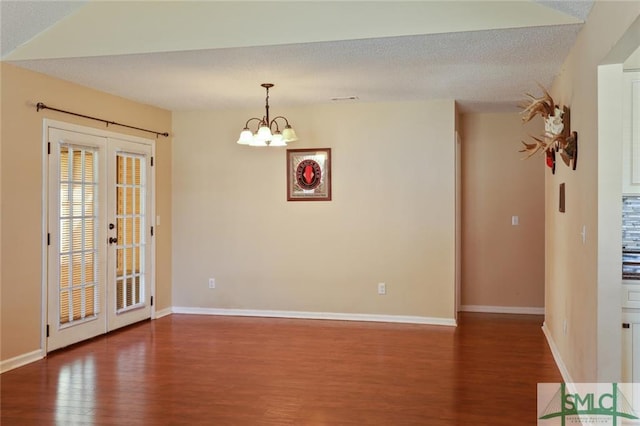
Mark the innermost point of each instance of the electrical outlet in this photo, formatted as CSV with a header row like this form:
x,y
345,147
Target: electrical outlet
x,y
212,283
382,288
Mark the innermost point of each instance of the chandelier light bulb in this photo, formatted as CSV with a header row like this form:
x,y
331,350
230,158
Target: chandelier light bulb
x,y
258,142
289,134
246,137
277,139
264,133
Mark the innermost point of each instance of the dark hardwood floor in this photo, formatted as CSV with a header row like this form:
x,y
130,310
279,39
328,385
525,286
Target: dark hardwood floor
x,y
206,370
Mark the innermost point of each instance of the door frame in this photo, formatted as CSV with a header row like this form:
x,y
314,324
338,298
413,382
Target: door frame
x,y
458,223
46,124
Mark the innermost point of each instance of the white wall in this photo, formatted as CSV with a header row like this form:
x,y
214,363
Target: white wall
x,y
391,218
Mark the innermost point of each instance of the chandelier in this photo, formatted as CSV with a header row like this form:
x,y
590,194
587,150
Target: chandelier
x,y
267,131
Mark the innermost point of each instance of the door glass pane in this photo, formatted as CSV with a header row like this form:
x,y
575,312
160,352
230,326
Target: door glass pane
x,y
65,279
78,237
77,231
119,294
130,220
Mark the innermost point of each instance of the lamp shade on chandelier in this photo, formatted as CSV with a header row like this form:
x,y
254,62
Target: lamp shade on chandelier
x,y
267,131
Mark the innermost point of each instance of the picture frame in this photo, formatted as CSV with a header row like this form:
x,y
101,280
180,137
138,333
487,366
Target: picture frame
x,y
309,174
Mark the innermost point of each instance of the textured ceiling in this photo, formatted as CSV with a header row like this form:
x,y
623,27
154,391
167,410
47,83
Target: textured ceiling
x,y
485,55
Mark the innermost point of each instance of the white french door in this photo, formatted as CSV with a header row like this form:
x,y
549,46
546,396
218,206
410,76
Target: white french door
x,y
99,255
76,258
129,254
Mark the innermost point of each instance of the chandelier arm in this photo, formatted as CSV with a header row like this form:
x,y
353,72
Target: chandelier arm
x,y
246,125
272,123
284,118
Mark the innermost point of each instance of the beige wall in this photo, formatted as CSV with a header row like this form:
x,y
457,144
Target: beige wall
x,y
22,194
391,218
572,288
503,265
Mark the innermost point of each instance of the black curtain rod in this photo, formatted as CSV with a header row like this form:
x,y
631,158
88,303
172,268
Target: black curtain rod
x,y
40,106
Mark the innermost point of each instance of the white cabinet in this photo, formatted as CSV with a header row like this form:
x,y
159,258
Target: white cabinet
x,y
631,354
631,296
631,235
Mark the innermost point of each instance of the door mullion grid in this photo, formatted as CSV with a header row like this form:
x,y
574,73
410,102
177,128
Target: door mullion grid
x,y
96,233
134,231
125,283
73,219
121,185
120,199
70,222
83,222
132,273
132,198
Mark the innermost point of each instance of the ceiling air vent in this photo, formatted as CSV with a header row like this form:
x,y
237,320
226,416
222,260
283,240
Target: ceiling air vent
x,y
344,98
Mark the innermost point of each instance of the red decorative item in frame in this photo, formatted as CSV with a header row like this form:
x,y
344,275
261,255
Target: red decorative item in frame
x,y
309,174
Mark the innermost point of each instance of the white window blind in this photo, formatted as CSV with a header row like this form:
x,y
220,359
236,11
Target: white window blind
x,y
130,214
78,233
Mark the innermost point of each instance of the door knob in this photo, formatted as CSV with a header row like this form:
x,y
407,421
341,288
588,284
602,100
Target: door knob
x,y
113,240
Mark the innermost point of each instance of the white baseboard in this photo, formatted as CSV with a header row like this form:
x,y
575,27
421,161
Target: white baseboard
x,y
556,355
316,315
20,360
163,313
503,309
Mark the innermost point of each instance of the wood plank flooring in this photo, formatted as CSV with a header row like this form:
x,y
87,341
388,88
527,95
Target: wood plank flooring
x,y
206,370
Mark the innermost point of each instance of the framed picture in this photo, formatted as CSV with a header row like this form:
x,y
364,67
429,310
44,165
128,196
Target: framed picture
x,y
309,174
